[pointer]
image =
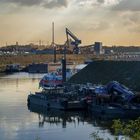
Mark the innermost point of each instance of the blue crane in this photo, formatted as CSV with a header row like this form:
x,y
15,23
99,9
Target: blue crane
x,y
75,41
123,91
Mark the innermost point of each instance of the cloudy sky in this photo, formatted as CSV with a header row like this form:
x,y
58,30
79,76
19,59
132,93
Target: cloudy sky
x,y
114,22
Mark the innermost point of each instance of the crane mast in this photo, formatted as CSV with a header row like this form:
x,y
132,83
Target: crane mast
x,y
75,42
53,44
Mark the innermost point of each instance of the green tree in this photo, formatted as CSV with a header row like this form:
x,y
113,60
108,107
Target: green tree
x,y
130,128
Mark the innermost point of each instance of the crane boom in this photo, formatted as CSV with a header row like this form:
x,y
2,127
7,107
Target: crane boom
x,y
75,41
72,36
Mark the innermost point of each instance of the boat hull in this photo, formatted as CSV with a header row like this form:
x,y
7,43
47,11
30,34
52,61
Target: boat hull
x,y
55,104
115,111
32,99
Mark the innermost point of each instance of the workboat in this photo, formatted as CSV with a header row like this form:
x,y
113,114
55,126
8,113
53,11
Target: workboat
x,y
116,110
51,80
56,98
11,68
114,100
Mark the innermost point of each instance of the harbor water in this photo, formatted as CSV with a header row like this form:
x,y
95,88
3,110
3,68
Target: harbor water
x,y
20,122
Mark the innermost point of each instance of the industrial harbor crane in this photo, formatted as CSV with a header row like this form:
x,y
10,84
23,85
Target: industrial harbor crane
x,y
75,41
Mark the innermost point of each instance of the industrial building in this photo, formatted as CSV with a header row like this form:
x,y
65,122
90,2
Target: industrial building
x,y
38,68
98,48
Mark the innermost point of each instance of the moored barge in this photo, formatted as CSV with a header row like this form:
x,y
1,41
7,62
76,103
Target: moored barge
x,y
56,98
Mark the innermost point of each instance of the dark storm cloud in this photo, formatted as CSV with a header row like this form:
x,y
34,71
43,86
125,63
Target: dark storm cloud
x,y
55,3
26,2
130,5
44,3
100,1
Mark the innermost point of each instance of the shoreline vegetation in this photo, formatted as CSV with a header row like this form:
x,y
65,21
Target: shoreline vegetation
x,y
25,60
129,128
98,72
122,130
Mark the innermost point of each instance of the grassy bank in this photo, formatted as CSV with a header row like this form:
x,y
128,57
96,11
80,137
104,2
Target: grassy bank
x,y
24,60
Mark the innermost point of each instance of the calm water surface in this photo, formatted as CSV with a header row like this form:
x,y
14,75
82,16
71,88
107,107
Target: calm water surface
x,y
18,122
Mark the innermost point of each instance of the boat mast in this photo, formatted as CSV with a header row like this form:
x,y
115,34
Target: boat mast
x,y
53,44
64,60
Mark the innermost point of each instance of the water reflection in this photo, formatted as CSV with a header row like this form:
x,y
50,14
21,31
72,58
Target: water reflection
x,y
58,117
19,123
54,116
99,124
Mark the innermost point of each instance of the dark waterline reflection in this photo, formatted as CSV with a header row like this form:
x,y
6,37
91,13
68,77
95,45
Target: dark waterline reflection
x,y
18,122
53,116
63,117
66,118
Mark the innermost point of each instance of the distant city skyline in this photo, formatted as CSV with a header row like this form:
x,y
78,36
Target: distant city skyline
x,y
113,22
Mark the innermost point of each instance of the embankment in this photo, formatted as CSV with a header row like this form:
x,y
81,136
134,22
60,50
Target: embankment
x,y
25,60
101,72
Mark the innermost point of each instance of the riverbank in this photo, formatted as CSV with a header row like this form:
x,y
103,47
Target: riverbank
x,y
25,60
